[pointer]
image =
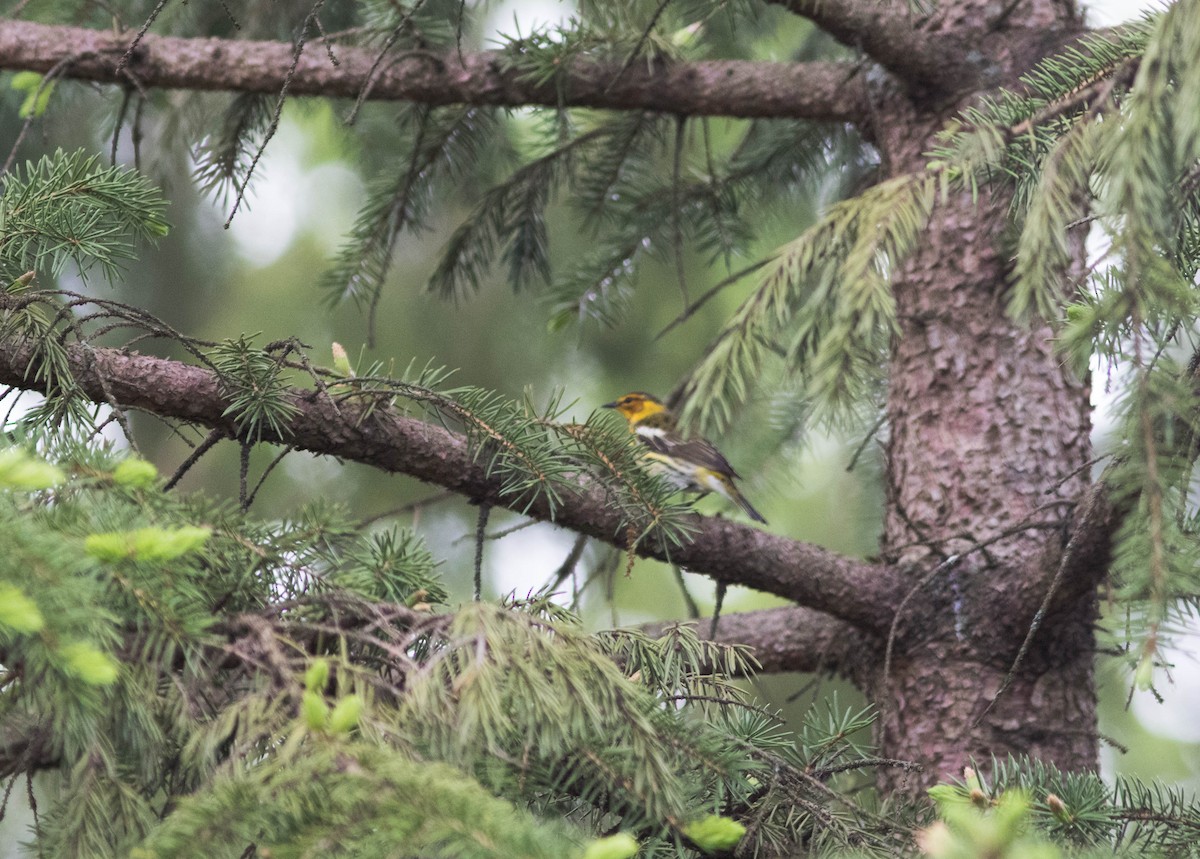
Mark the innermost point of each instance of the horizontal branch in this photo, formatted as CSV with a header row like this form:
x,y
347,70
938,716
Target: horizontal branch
x,y
830,91
792,638
859,592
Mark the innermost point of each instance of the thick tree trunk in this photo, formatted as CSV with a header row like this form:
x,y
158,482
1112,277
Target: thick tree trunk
x,y
988,445
986,454
937,700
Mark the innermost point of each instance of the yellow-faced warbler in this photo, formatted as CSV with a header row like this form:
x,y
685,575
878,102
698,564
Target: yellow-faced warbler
x,y
693,464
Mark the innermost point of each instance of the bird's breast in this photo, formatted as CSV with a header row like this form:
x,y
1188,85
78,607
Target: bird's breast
x,y
642,431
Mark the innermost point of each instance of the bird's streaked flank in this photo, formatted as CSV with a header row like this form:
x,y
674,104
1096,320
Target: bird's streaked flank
x,y
694,464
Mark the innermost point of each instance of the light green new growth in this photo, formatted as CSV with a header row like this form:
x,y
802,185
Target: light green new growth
x,y
369,800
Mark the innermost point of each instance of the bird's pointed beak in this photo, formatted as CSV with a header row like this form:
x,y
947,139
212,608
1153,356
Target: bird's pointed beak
x,y
611,405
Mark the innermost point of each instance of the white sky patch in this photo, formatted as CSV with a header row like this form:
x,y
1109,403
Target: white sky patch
x,y
266,221
1176,717
521,18
314,475
1105,13
524,561
285,198
13,408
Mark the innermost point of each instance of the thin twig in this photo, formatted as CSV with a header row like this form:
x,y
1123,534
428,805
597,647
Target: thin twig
x,y
676,215
691,309
458,30
693,610
204,447
135,131
503,532
718,604
369,80
1005,13
641,43
126,97
243,476
825,772
921,538
485,510
333,60
1034,625
567,568
410,507
267,471
867,439
891,638
117,411
141,34
297,51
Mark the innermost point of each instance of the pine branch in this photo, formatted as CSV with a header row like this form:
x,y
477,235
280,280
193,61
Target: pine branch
x,y
856,591
830,91
439,145
824,302
71,209
223,158
791,638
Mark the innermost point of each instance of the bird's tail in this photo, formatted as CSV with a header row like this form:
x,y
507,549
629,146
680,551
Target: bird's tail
x,y
730,491
740,500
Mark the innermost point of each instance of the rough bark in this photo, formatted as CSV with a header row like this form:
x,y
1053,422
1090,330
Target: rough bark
x,y
935,703
892,34
988,441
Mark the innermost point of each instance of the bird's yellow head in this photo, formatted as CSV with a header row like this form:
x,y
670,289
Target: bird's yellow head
x,y
636,407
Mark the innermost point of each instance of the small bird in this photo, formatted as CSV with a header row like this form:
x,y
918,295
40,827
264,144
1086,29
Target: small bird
x,y
694,464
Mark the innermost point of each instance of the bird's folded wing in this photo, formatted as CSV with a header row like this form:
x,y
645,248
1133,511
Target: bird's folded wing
x,y
697,451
